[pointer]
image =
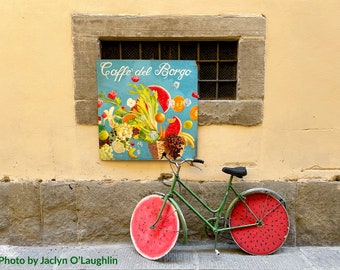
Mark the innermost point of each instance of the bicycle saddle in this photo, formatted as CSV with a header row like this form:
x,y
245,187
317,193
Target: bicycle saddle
x,y
237,171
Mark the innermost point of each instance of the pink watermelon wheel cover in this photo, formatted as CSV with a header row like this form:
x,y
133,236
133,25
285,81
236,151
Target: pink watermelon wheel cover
x,y
267,237
154,243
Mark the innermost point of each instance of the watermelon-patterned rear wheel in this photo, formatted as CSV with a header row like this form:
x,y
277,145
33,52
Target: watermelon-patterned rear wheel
x,y
154,243
273,224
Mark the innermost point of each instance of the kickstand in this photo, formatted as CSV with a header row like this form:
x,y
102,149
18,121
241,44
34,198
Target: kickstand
x,y
216,250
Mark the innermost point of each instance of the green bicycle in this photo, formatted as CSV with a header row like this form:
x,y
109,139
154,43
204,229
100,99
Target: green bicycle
x,y
257,218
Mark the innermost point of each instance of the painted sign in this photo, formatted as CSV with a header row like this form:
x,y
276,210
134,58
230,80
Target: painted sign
x,y
146,107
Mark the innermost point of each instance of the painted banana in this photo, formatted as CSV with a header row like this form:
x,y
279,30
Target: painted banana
x,y
132,153
188,139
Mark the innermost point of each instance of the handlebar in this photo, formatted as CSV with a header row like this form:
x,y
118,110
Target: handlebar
x,y
180,162
198,160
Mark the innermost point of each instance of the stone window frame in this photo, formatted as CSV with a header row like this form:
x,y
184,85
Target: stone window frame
x,y
245,110
216,60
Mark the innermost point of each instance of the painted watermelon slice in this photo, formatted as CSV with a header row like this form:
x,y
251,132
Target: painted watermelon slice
x,y
174,127
154,243
264,238
163,96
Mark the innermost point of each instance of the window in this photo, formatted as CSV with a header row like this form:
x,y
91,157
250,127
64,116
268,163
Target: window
x,y
229,51
216,61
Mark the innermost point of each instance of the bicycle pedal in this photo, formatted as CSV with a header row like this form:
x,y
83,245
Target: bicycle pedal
x,y
217,252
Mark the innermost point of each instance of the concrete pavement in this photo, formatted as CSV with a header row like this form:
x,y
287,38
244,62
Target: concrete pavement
x,y
195,255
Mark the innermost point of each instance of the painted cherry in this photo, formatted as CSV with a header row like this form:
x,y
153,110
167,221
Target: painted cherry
x,y
112,94
100,102
135,78
195,95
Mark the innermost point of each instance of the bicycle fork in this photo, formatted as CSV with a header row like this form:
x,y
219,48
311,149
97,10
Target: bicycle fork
x,y
166,197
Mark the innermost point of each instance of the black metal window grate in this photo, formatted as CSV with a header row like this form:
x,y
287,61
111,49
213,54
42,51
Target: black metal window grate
x,y
216,61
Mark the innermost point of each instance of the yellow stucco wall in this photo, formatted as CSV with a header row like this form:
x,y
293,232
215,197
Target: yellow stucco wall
x,y
299,136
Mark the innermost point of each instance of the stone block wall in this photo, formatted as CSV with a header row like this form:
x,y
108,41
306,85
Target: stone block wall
x,y
53,212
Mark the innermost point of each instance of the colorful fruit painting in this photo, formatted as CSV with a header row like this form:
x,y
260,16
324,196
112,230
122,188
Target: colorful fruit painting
x,y
144,109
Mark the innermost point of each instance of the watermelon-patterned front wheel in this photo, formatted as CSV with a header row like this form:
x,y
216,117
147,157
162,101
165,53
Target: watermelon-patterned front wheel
x,y
154,243
272,223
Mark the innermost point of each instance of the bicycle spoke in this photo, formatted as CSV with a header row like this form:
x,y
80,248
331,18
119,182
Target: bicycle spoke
x,y
165,218
270,211
165,230
264,213
169,215
249,210
264,207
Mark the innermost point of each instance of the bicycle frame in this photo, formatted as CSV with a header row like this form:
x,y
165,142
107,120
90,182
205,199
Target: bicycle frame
x,y
218,211
256,218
